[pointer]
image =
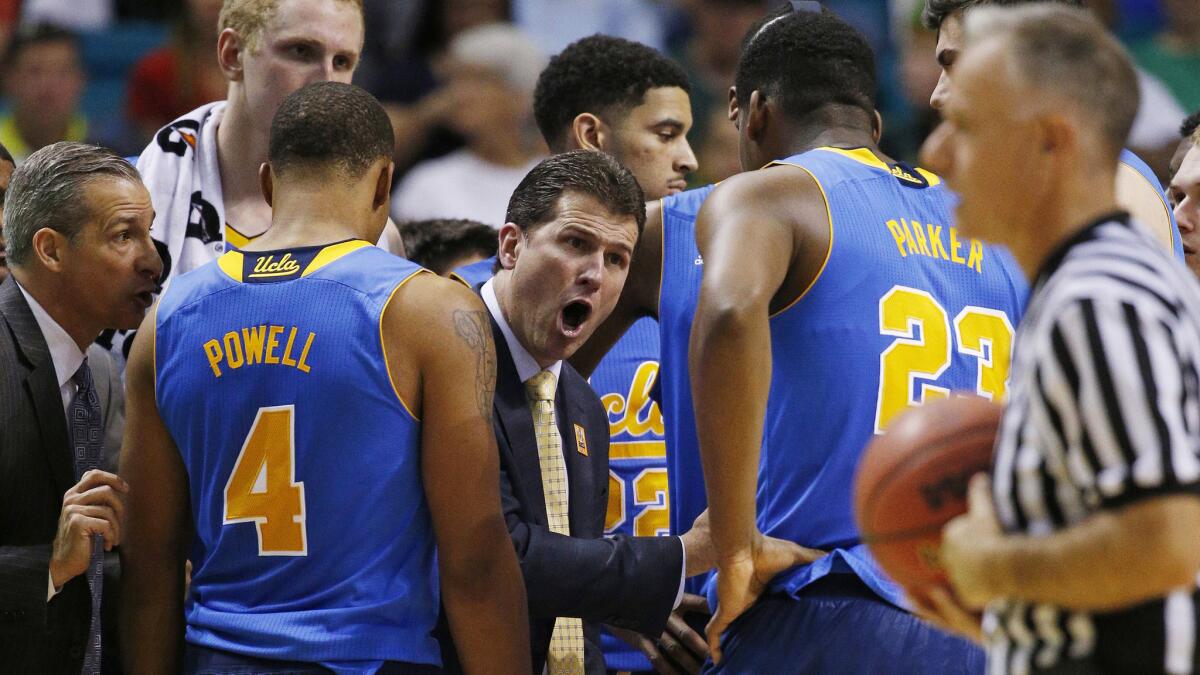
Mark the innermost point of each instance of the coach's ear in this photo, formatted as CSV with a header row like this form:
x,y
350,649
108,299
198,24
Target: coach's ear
x,y
266,183
587,133
229,54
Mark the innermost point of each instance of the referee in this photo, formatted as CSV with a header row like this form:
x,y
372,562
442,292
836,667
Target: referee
x,y
1086,551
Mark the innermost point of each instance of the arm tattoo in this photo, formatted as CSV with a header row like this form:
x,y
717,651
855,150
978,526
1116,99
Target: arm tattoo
x,y
473,328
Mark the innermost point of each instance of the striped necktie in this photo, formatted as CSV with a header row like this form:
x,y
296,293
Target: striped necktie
x,y
84,420
566,643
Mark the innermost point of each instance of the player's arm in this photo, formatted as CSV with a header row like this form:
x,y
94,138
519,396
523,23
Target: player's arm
x,y
1145,203
639,297
158,523
748,242
439,342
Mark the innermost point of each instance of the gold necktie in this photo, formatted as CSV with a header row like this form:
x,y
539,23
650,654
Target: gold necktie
x,y
566,643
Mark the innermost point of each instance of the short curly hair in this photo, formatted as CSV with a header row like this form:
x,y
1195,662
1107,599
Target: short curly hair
x,y
806,60
1189,126
603,75
936,11
436,244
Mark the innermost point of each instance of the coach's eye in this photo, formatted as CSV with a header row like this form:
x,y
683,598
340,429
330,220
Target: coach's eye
x,y
575,243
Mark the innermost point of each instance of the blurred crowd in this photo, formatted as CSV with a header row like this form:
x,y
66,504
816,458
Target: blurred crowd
x,y
457,76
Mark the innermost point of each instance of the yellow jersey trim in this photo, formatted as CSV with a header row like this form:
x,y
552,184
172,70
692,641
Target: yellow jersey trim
x,y
237,239
828,251
230,263
383,343
332,253
459,279
868,158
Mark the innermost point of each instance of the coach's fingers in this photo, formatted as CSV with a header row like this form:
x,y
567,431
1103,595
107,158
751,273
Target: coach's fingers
x,y
690,639
95,478
679,653
658,661
693,603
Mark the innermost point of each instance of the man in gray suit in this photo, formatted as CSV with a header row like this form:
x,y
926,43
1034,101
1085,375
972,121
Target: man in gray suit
x,y
76,223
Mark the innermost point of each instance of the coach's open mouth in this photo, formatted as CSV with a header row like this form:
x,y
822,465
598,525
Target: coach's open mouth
x,y
574,315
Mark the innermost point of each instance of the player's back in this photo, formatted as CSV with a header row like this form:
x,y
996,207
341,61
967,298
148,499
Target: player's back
x,y
903,310
313,537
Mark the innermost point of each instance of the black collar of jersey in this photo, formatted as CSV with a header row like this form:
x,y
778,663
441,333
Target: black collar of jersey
x,y
259,267
1052,262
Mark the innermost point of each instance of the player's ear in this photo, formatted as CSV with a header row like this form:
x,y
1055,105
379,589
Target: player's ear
x,y
733,105
229,54
756,115
510,239
266,182
383,187
877,126
587,133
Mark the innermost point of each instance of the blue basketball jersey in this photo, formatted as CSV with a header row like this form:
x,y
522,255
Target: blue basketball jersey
x,y
313,537
638,504
1134,162
476,273
904,310
678,294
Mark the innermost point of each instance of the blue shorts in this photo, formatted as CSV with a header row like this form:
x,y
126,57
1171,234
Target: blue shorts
x,y
839,626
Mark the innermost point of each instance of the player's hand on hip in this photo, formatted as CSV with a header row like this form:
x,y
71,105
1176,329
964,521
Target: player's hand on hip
x,y
741,579
965,544
94,505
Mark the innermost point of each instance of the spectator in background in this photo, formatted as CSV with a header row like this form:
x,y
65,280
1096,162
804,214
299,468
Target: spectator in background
x,y
709,57
43,80
179,76
442,246
75,15
1173,56
491,73
7,164
1185,141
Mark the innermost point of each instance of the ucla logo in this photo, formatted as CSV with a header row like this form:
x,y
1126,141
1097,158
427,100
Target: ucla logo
x,y
269,267
635,413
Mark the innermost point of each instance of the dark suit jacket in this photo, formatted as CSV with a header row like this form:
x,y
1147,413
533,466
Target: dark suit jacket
x,y
629,582
35,470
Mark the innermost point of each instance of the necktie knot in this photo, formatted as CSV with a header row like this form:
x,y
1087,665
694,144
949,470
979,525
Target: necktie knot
x,y
540,387
82,377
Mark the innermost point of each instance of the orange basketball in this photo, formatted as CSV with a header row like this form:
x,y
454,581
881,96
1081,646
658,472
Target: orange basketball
x,y
913,479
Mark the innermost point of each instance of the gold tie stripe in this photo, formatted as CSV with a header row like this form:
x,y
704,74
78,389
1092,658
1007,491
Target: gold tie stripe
x,y
566,643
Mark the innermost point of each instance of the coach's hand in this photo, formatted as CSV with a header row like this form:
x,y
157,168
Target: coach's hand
x,y
94,505
742,577
679,649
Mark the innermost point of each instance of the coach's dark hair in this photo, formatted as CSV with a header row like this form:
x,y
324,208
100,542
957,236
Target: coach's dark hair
x,y
602,75
330,124
435,244
936,11
47,190
535,201
806,60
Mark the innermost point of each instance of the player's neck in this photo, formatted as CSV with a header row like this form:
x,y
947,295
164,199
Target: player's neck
x,y
311,220
241,149
803,139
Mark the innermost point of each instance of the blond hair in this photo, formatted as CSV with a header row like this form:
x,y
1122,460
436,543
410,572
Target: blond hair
x,y
249,17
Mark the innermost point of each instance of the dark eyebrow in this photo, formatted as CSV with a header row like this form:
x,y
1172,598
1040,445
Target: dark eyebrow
x,y
671,122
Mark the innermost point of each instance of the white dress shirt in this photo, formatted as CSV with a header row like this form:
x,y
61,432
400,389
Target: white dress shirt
x,y
527,367
66,357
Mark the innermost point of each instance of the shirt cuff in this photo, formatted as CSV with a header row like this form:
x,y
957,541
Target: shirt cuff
x,y
682,576
50,592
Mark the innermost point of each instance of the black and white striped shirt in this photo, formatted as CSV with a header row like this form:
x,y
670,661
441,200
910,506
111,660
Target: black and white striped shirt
x,y
1104,410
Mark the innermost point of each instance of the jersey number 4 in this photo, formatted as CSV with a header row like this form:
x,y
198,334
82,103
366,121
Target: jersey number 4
x,y
983,333
262,488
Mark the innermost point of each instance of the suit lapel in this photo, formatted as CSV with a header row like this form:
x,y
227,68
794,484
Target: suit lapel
x,y
515,421
580,469
41,383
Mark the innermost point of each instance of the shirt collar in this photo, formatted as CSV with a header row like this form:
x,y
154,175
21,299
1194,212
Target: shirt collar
x,y
64,353
527,366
